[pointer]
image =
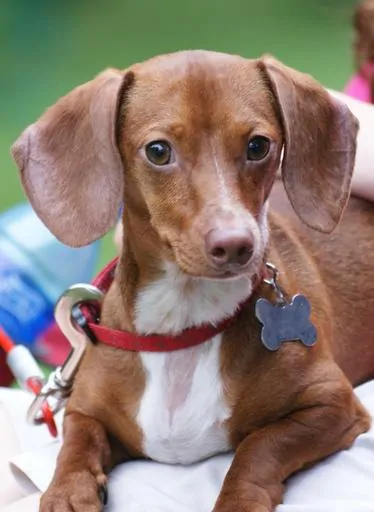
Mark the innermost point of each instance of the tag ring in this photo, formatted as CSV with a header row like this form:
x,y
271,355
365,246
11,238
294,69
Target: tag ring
x,y
273,282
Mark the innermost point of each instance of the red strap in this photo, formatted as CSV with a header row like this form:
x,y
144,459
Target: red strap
x,y
35,385
105,277
127,340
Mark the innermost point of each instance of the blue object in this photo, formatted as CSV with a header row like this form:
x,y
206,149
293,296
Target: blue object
x,y
35,268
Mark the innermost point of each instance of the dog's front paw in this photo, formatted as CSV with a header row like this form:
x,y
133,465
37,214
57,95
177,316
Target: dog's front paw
x,y
247,496
77,492
247,507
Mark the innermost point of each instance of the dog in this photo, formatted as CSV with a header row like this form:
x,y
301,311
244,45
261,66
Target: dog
x,y
191,144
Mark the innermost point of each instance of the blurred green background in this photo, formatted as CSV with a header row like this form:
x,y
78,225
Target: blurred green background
x,y
47,47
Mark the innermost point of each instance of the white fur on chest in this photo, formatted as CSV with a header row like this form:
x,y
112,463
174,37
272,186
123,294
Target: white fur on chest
x,y
183,411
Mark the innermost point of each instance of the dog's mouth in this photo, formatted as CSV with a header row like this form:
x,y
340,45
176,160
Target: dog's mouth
x,y
213,274
196,265
230,275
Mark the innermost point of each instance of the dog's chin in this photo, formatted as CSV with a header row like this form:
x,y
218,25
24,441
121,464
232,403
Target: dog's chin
x,y
229,276
213,274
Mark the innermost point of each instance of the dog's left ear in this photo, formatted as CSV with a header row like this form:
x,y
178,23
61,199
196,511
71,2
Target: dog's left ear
x,y
70,164
320,145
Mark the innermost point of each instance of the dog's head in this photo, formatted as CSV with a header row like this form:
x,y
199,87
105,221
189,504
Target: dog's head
x,y
191,143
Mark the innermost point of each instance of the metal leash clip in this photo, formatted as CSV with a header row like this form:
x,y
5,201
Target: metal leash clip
x,y
72,323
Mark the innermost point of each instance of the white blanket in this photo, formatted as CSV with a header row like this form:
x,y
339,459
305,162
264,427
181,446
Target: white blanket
x,y
344,482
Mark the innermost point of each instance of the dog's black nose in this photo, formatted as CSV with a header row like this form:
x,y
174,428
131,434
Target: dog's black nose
x,y
229,246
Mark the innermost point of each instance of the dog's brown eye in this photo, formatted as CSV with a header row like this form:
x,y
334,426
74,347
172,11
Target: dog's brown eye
x,y
159,152
258,148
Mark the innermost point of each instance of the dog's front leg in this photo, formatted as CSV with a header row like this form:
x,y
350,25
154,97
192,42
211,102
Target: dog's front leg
x,y
79,483
267,457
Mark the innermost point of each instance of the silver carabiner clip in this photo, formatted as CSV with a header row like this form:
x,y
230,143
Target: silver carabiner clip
x,y
59,385
273,282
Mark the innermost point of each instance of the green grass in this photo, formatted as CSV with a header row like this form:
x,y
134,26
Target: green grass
x,y
47,48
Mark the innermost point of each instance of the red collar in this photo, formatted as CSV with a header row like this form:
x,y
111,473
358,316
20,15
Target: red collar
x,y
126,340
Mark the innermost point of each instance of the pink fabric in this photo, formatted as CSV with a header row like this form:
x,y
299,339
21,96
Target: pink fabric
x,y
358,86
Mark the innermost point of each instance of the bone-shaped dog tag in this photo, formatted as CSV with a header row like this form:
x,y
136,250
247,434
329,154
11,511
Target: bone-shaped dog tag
x,y
288,321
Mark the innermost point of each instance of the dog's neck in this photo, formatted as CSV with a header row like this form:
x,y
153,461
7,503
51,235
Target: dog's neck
x,y
169,301
157,297
176,301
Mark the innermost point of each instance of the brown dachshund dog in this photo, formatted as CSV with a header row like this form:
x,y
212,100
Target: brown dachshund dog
x,y
191,144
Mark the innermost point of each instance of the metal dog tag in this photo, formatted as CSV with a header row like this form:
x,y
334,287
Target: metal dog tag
x,y
284,320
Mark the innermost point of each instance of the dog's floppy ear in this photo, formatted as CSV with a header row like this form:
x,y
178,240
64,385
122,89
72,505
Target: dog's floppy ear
x,y
70,165
320,145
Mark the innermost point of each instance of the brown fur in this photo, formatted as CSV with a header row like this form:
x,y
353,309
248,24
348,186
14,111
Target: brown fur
x,y
300,407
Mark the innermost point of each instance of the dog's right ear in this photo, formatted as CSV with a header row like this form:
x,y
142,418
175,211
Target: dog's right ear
x,y
70,165
319,145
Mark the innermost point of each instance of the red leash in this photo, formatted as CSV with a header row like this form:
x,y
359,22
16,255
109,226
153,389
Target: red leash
x,y
27,374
